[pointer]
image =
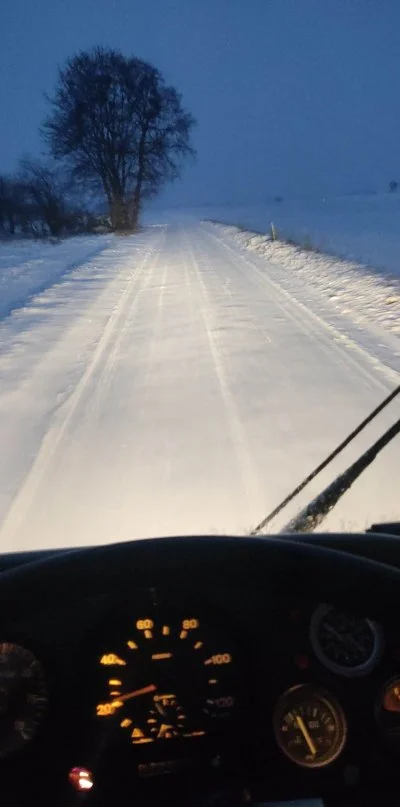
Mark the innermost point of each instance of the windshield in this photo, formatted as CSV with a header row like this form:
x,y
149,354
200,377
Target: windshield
x,y
199,265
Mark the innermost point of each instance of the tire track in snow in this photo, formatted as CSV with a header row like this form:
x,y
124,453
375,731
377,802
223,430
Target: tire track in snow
x,y
105,379
246,468
52,439
312,324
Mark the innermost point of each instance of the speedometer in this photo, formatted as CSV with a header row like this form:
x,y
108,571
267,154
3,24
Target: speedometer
x,y
167,680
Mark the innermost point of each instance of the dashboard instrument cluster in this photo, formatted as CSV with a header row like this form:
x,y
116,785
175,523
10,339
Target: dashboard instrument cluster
x,y
164,685
167,680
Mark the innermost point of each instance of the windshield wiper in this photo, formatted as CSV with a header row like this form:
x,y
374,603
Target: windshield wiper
x,y
311,516
328,498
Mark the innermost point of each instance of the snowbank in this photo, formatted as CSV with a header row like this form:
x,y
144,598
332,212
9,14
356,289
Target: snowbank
x,y
29,267
353,289
364,229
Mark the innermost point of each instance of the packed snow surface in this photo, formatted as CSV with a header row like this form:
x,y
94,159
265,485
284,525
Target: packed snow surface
x,y
176,382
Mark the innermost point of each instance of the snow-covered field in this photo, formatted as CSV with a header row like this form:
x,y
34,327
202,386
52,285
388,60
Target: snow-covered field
x,y
27,267
177,382
364,228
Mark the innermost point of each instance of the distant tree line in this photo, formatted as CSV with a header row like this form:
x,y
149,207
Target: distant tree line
x,y
38,201
115,132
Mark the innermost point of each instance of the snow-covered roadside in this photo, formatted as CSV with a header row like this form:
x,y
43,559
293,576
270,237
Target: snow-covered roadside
x,y
362,228
29,267
353,289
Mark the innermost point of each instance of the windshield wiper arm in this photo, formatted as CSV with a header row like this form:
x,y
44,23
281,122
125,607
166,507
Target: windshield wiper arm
x,y
261,526
311,516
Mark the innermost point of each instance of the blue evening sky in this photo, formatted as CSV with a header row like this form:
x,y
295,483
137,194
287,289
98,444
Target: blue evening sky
x,y
291,96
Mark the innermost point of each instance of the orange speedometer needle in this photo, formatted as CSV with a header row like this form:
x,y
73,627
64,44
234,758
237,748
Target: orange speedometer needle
x,y
137,692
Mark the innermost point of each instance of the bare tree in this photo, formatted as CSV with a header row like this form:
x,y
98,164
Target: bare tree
x,y
119,125
3,204
45,189
13,208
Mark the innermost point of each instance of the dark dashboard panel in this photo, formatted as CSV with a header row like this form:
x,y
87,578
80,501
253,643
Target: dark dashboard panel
x,y
261,646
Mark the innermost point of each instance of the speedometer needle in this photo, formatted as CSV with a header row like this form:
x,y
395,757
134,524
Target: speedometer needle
x,y
137,692
306,734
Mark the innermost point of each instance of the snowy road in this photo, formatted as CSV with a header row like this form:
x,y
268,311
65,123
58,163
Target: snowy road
x,y
169,386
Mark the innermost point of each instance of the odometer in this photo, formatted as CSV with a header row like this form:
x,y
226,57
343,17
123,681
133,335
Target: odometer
x,y
167,680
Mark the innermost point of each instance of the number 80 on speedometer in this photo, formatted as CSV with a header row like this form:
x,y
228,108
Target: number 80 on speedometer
x,y
168,680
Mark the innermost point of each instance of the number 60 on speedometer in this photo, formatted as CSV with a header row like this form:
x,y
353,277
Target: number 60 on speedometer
x,y
168,680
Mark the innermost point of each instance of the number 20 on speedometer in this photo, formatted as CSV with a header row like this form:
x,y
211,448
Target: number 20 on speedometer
x,y
168,680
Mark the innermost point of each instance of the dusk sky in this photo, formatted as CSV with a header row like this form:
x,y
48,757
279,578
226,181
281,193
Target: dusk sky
x,y
291,96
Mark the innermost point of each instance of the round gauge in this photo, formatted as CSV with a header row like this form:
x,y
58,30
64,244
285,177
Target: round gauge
x,y
388,713
23,696
310,727
346,644
167,681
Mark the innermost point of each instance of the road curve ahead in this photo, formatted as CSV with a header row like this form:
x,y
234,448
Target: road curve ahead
x,y
169,386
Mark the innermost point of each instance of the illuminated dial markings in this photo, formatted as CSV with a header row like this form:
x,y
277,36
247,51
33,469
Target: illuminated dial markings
x,y
167,681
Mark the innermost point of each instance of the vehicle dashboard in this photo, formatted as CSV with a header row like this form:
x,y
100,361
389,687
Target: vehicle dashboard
x,y
270,694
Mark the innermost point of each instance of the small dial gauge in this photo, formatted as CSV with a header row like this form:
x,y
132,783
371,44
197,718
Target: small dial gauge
x,y
310,727
23,697
168,680
388,714
346,644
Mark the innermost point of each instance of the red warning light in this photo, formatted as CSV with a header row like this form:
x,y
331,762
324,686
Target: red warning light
x,y
81,779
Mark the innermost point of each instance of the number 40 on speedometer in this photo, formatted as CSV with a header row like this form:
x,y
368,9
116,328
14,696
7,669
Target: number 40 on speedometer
x,y
168,680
